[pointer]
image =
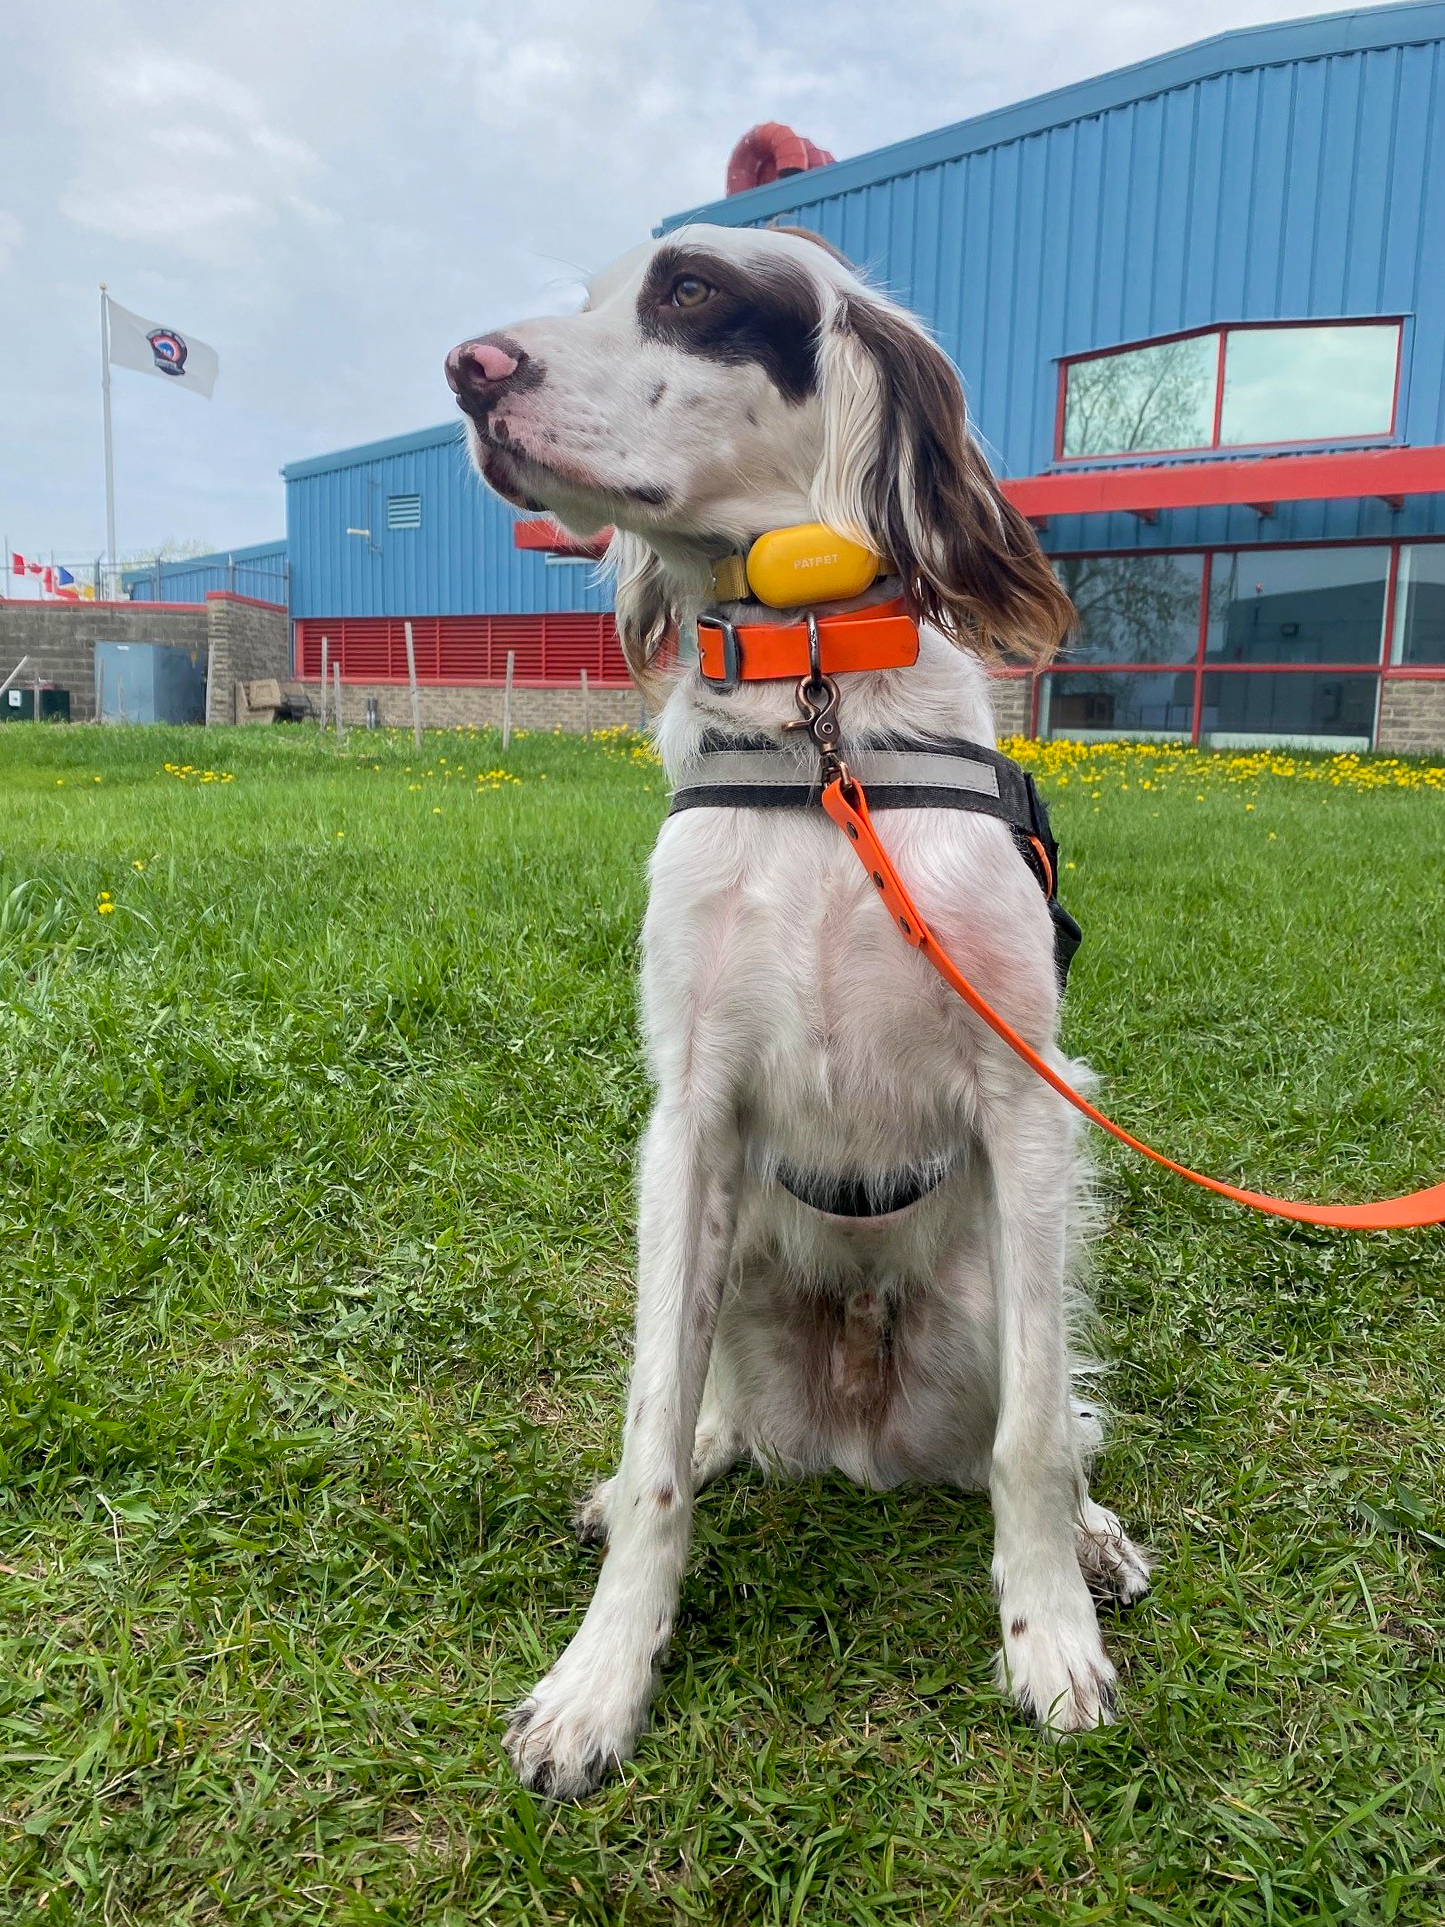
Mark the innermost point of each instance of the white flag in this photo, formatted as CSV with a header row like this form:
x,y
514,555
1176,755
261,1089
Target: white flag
x,y
153,349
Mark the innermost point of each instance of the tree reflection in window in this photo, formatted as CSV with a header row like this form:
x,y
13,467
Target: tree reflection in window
x,y
1150,398
1133,608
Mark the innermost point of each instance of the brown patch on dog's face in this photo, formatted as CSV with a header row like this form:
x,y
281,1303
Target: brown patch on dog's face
x,y
767,312
807,234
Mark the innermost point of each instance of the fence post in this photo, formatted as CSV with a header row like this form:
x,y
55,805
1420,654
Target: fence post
x,y
507,700
340,725
210,678
586,707
411,678
325,678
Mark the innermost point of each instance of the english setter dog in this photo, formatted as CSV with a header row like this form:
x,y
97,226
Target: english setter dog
x,y
858,1213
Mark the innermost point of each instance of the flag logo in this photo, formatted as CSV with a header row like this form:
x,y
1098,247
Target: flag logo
x,y
169,349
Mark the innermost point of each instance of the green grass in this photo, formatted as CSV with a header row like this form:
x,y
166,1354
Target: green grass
x,y
314,1300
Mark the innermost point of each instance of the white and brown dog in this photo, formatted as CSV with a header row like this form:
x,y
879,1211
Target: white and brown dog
x,y
721,383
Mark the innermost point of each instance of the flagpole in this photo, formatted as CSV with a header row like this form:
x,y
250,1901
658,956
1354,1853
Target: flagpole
x,y
109,452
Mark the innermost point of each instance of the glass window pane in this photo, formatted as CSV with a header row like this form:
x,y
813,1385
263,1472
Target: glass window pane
x,y
1297,605
1093,708
1420,605
1323,709
1160,397
1134,608
1308,384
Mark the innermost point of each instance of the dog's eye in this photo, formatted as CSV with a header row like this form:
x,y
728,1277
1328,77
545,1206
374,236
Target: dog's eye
x,y
689,292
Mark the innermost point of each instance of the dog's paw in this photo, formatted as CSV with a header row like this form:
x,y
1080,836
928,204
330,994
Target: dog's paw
x,y
571,1732
1113,1566
1054,1667
591,1517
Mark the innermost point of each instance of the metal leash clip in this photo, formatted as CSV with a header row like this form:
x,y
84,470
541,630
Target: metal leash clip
x,y
817,697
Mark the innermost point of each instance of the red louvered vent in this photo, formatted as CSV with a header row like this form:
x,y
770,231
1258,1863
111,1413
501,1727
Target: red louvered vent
x,y
466,650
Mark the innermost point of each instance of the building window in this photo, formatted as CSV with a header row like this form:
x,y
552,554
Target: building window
x,y
1308,384
1419,638
1322,709
1245,387
1297,605
1134,608
1147,399
403,511
1242,647
1098,708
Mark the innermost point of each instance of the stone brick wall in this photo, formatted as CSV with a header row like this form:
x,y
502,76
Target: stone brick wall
x,y
60,638
1412,717
1012,701
249,640
447,708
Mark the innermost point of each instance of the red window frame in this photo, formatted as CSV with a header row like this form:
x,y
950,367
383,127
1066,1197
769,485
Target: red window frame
x,y
1201,666
1223,329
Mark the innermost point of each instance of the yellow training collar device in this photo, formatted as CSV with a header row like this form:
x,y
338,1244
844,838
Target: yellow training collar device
x,y
787,568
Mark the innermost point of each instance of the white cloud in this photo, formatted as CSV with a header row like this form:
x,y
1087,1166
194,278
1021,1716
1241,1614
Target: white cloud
x,y
334,193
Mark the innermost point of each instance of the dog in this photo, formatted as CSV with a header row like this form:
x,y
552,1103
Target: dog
x,y
719,383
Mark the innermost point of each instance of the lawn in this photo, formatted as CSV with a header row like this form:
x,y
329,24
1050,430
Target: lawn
x,y
321,1093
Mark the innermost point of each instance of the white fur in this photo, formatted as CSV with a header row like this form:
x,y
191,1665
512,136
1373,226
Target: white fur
x,y
786,1018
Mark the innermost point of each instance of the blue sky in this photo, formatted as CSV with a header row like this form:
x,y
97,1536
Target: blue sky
x,y
332,194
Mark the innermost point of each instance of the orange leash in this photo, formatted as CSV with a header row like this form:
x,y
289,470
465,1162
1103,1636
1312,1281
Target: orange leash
x,y
851,816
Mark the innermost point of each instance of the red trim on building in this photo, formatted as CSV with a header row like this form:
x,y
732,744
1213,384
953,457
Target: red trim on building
x,y
1144,489
1221,484
550,650
545,534
251,601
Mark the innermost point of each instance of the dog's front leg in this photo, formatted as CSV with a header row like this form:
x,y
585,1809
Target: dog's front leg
x,y
1053,1659
584,1717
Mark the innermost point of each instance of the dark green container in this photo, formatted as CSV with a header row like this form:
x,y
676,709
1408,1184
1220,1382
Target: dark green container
x,y
18,705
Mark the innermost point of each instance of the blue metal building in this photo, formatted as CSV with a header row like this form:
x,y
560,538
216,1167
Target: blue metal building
x,y
1199,309
259,571
1258,224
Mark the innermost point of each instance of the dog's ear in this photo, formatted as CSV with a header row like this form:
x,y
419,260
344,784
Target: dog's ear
x,y
901,472
647,612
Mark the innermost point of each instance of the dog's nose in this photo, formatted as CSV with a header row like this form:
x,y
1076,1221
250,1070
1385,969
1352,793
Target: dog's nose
x,y
478,371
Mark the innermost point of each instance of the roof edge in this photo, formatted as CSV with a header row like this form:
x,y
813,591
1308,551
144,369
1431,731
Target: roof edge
x,y
374,451
1360,30
213,558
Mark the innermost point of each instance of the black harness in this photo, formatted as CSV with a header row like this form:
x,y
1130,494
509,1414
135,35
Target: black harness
x,y
755,773
898,773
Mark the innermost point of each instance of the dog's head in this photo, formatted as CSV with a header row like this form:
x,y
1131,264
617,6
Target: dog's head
x,y
724,381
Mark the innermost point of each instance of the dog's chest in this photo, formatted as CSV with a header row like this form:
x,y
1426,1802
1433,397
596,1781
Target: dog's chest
x,y
769,961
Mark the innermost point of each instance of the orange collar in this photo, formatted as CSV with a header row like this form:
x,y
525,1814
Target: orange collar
x,y
883,636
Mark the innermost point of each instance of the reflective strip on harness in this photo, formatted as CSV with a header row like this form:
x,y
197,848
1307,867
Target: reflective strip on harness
x,y
774,778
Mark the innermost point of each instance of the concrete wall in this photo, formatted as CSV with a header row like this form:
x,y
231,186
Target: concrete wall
x,y
449,708
1012,701
249,640
1412,717
60,638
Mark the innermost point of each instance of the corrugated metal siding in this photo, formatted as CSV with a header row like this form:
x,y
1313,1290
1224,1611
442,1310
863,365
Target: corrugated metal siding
x,y
460,561
258,571
1308,189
